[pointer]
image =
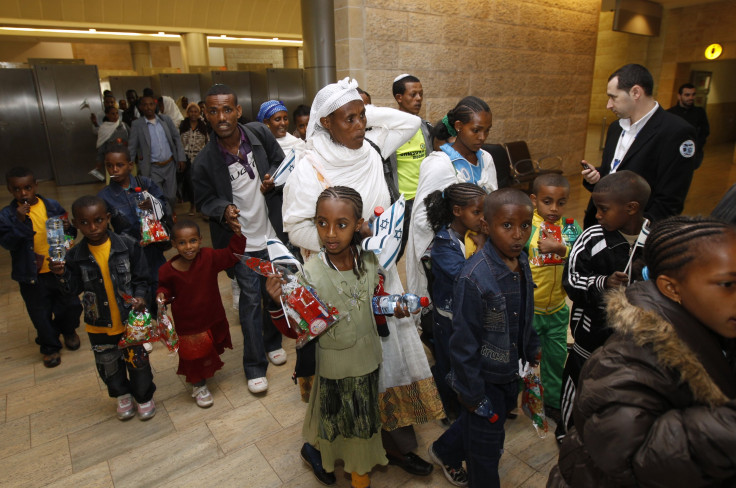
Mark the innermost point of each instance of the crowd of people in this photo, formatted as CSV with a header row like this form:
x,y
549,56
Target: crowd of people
x,y
651,371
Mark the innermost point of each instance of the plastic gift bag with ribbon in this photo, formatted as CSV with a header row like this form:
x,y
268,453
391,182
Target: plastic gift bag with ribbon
x,y
166,332
532,398
306,313
138,329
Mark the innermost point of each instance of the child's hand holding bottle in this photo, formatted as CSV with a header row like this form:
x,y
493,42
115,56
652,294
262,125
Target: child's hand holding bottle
x,y
56,267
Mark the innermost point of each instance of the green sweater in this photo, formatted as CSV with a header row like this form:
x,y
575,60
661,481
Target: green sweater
x,y
351,347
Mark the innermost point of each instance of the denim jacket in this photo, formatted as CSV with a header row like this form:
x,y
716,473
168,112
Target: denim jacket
x,y
484,346
128,270
448,259
17,237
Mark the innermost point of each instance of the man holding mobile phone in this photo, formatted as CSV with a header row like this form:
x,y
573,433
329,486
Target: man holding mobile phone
x,y
647,140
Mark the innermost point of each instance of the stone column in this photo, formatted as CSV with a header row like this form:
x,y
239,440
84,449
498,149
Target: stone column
x,y
140,52
318,32
291,57
194,50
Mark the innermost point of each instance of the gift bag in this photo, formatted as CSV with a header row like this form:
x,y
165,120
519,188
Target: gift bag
x,y
305,312
166,332
138,328
532,400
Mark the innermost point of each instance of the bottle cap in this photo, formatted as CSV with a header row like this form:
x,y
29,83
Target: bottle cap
x,y
569,220
138,189
424,302
378,211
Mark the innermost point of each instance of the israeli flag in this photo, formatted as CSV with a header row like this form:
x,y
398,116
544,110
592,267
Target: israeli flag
x,y
640,241
387,231
285,168
278,253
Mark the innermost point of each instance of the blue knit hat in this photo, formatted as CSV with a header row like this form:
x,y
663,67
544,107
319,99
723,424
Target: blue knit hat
x,y
269,108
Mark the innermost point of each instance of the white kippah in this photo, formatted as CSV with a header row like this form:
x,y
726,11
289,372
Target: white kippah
x,y
329,99
401,77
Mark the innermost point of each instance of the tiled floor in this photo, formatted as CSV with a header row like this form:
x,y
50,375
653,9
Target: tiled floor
x,y
58,427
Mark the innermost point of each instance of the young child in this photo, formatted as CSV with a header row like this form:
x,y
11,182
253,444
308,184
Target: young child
x,y
596,263
119,196
493,308
23,233
550,193
662,388
189,282
455,215
343,418
103,266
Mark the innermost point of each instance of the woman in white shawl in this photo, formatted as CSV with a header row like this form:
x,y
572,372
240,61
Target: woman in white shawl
x,y
338,154
111,129
462,161
172,110
275,115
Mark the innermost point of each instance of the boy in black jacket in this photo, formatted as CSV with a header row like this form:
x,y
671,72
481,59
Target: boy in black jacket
x,y
103,266
597,262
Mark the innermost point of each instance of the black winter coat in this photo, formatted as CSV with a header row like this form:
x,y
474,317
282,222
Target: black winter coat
x,y
655,407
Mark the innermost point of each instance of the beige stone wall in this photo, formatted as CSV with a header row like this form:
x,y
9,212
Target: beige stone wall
x,y
532,61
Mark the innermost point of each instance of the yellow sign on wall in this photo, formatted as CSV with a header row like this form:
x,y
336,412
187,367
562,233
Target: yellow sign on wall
x,y
713,51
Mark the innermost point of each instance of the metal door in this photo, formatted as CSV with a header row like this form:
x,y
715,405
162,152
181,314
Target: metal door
x,y
64,89
239,81
22,134
176,85
282,84
120,84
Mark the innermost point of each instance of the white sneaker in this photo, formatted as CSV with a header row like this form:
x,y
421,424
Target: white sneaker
x,y
146,410
203,396
126,409
236,293
258,385
277,357
148,347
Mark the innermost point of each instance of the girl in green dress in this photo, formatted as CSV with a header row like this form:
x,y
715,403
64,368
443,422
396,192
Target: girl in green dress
x,y
343,420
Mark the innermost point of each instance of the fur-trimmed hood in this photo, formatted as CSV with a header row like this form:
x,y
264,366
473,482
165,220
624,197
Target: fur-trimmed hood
x,y
650,319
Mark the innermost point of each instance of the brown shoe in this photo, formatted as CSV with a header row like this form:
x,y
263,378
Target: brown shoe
x,y
71,341
52,360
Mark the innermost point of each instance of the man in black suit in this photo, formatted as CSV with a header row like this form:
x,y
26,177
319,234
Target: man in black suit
x,y
647,140
696,116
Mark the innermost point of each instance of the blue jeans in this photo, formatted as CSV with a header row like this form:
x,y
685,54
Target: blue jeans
x,y
477,441
259,334
52,313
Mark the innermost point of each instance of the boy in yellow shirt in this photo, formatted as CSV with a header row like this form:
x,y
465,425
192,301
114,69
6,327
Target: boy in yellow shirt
x,y
547,256
103,266
23,233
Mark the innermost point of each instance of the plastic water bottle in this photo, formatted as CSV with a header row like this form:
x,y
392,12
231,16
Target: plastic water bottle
x,y
385,305
55,231
139,199
570,233
377,212
57,253
484,410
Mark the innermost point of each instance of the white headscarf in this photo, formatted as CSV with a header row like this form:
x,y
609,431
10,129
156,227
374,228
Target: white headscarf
x,y
329,99
172,110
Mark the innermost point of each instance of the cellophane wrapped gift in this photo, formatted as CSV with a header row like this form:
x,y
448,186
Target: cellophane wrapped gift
x,y
532,399
166,332
151,229
304,310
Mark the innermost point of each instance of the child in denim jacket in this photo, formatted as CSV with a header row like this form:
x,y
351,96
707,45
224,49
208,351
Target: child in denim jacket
x,y
493,309
23,233
103,266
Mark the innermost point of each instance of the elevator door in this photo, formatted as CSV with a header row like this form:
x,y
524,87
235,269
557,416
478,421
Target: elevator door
x,y
22,134
120,84
239,82
64,89
176,85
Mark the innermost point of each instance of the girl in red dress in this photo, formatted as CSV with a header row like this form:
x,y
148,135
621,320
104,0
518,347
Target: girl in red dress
x,y
189,282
